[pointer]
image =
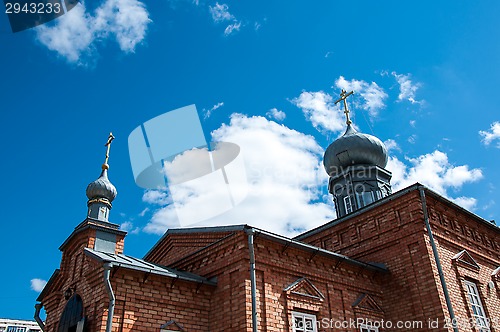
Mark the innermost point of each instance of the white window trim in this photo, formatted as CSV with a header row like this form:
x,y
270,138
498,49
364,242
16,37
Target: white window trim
x,y
348,204
367,328
296,314
474,300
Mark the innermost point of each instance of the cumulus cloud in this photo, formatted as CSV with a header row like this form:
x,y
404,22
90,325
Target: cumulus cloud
x,y
156,197
435,171
491,135
276,114
372,95
407,89
208,112
319,109
76,34
220,13
285,179
38,284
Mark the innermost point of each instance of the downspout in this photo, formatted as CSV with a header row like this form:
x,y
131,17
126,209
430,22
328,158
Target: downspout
x,y
111,295
250,232
436,257
39,321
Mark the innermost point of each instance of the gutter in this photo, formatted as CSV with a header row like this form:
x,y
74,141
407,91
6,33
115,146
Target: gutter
x,y
250,232
436,257
111,295
39,321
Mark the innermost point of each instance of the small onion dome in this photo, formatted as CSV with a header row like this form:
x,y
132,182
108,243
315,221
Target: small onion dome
x,y
354,148
101,188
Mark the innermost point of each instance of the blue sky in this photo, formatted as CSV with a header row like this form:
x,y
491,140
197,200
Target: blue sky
x,y
263,75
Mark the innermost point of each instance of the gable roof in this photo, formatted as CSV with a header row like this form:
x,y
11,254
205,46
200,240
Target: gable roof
x,y
132,263
465,258
366,301
304,287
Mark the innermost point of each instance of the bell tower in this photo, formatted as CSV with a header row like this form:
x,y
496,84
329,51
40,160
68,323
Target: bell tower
x,y
355,163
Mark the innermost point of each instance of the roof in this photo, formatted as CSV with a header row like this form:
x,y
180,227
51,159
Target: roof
x,y
47,285
396,195
217,229
137,264
93,224
275,238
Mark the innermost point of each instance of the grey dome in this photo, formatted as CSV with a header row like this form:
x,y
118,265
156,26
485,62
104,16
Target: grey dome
x,y
101,188
354,148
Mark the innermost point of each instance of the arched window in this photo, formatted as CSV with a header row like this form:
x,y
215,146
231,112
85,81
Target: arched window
x,y
72,319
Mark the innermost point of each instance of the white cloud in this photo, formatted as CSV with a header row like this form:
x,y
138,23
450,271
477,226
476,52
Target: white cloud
x,y
208,112
318,107
412,139
128,226
373,95
71,36
276,114
284,178
492,135
126,19
155,197
220,13
232,28
38,284
391,144
75,34
407,89
436,172
143,212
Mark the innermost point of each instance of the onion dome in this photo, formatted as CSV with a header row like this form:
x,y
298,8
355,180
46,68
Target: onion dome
x,y
102,187
354,148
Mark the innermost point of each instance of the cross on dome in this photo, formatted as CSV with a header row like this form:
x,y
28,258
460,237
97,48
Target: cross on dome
x,y
343,96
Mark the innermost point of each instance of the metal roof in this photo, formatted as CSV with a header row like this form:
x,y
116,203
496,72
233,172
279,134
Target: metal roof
x,y
137,264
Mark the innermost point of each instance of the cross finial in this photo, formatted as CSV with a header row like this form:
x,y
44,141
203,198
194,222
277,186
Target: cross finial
x,y
343,96
108,147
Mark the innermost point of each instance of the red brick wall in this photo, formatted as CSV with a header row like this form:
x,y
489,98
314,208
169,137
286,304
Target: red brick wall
x,y
276,268
83,275
394,234
146,304
454,230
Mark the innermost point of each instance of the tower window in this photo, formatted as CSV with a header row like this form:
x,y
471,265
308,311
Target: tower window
x,y
478,313
348,204
364,198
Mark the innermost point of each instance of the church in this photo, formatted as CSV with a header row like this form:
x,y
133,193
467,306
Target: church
x,y
403,261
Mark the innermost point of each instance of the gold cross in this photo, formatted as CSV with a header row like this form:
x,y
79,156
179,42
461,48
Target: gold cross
x,y
108,145
343,96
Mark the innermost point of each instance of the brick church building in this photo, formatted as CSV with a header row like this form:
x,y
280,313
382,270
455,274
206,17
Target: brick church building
x,y
409,260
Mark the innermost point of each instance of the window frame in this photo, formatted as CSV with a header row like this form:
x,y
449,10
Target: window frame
x,y
348,208
360,198
367,328
476,306
304,316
